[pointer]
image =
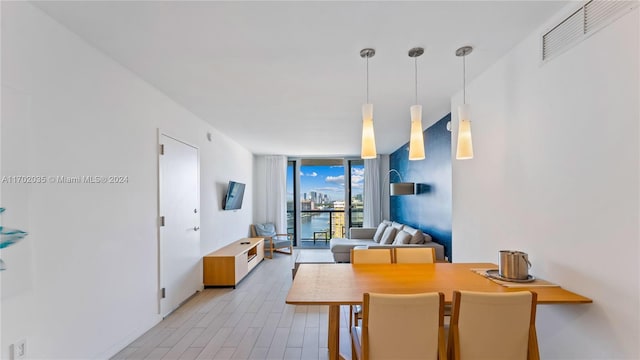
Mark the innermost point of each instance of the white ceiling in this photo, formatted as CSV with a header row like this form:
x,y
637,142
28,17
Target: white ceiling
x,y
287,77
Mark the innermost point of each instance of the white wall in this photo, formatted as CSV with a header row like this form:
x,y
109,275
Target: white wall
x,y
83,284
260,196
555,174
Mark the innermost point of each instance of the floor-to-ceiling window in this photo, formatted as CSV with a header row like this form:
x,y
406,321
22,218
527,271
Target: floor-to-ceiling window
x,y
356,196
324,199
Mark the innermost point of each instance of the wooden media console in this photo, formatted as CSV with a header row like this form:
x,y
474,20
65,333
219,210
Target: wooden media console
x,y
228,265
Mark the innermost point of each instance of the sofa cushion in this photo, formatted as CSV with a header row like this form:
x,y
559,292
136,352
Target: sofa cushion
x,y
379,232
417,236
339,245
402,238
397,226
361,233
388,236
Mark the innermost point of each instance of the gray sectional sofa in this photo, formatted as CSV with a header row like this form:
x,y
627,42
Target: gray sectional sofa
x,y
387,235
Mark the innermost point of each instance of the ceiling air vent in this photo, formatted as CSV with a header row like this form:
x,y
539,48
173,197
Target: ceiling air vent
x,y
588,19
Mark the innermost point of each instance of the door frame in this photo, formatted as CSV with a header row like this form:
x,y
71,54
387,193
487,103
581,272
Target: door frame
x,y
159,133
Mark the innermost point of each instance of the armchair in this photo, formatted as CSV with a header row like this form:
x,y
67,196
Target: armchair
x,y
272,240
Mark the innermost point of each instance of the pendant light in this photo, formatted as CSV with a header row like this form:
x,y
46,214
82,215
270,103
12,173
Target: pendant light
x,y
368,150
416,141
464,150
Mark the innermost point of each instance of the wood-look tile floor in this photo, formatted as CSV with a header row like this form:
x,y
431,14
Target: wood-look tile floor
x,y
250,322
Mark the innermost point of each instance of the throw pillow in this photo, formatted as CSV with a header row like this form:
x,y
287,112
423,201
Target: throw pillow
x,y
379,232
397,226
402,238
416,235
268,229
388,236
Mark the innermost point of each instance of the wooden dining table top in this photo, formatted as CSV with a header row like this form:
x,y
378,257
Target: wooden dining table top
x,y
344,284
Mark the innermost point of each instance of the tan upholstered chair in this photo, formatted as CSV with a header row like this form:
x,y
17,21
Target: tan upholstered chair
x,y
367,256
493,326
411,255
407,326
272,241
371,256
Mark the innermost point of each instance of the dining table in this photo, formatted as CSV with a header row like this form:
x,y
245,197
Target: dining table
x,y
344,284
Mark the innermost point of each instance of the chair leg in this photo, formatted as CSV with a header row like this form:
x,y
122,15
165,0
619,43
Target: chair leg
x,y
290,252
271,251
354,352
350,317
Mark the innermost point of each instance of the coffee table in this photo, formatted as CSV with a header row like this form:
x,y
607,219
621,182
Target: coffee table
x,y
309,256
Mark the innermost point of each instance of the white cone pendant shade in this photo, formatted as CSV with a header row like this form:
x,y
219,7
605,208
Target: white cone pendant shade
x,y
368,150
464,149
416,138
416,141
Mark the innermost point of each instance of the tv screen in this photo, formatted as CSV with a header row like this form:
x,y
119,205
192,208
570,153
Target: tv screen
x,y
233,199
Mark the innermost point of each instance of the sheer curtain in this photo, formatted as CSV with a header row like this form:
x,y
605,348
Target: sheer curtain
x,y
371,193
276,191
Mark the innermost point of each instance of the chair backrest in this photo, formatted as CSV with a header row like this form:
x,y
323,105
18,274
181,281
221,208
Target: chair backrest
x,y
407,326
371,256
493,326
267,229
414,255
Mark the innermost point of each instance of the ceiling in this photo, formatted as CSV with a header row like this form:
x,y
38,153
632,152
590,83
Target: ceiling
x,y
287,77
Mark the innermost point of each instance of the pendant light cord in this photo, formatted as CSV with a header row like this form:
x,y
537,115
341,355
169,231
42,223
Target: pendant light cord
x,y
367,79
416,66
464,81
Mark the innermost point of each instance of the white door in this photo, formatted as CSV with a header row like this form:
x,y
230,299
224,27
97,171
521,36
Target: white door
x,y
180,265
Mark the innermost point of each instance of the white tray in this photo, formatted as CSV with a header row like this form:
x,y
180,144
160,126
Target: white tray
x,y
496,275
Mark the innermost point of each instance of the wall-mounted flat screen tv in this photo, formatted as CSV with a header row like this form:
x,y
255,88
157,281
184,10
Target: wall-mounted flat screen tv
x,y
233,198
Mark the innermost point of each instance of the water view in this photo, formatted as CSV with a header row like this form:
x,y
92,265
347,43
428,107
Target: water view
x,y
321,200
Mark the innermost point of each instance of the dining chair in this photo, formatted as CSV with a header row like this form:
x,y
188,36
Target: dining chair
x,y
493,326
414,255
371,256
366,256
400,326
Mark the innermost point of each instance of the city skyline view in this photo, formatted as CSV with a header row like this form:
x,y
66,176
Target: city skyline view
x,y
326,180
323,206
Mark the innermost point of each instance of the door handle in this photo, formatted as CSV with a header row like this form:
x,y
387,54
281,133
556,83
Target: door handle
x,y
196,228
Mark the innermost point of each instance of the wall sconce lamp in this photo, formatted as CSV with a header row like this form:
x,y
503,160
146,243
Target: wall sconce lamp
x,y
400,188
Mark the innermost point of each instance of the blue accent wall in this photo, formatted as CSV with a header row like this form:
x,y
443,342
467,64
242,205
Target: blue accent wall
x,y
430,209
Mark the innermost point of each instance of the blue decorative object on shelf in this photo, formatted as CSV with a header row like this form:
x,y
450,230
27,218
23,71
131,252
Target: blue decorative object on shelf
x,y
9,237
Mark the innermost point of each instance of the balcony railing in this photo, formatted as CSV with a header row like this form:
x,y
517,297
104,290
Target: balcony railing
x,y
314,223
322,225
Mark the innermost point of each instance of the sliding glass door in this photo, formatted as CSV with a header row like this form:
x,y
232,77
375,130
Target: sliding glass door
x,y
324,199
